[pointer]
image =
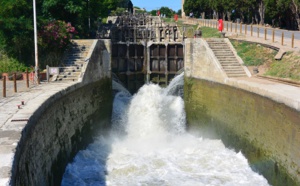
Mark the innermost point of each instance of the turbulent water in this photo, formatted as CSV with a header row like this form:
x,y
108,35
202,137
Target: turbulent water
x,y
148,145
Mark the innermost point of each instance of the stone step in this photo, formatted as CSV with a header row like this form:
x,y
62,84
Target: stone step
x,y
233,67
77,69
221,49
226,59
70,73
234,72
67,79
67,76
218,55
73,62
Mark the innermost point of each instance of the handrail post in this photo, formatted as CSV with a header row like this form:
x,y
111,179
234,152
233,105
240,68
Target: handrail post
x,y
231,27
235,27
246,28
4,86
241,27
251,29
38,77
47,67
282,36
27,78
227,26
15,82
293,37
273,35
258,32
265,34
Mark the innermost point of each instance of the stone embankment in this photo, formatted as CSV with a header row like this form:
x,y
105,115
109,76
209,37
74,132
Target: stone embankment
x,y
259,117
42,129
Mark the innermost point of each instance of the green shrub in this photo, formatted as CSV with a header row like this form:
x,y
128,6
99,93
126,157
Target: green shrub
x,y
10,65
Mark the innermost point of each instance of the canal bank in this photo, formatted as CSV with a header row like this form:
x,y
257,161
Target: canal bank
x,y
258,117
42,129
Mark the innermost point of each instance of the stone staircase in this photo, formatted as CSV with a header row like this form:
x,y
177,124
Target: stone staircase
x,y
73,61
226,58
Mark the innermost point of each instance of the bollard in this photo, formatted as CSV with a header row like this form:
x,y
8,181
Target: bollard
x,y
246,28
230,27
241,27
273,35
293,38
251,28
235,27
15,82
265,34
22,102
258,32
4,87
27,78
38,77
227,26
282,36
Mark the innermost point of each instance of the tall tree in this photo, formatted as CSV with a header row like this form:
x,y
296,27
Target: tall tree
x,y
295,5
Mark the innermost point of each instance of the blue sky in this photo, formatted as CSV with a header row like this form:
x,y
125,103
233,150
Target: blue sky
x,y
156,4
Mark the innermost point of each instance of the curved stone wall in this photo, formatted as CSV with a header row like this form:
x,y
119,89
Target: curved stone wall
x,y
63,121
266,131
63,125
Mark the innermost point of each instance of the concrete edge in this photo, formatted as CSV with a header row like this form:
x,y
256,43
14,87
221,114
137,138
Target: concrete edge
x,y
265,92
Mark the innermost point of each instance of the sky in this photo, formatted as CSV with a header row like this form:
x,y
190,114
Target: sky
x,y
156,4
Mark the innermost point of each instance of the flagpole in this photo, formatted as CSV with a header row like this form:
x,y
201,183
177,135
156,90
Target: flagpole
x,y
35,44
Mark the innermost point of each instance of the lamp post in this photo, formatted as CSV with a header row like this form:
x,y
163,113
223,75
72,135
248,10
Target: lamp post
x,y
35,45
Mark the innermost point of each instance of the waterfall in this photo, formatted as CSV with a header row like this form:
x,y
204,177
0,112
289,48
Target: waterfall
x,y
148,145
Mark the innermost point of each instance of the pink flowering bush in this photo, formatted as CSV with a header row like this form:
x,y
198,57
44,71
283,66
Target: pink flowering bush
x,y
56,35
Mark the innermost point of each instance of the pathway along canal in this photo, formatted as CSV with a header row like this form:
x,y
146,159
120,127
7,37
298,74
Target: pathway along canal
x,y
148,145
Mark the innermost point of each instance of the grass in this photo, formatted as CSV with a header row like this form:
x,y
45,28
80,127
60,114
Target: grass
x,y
257,55
288,67
253,54
207,32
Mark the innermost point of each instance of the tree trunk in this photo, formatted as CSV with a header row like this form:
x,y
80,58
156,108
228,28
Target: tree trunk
x,y
261,10
203,15
228,15
295,10
256,18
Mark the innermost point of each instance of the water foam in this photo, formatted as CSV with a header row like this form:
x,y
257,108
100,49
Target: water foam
x,y
149,146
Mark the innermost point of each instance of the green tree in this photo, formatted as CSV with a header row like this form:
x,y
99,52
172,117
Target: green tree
x,y
16,33
166,11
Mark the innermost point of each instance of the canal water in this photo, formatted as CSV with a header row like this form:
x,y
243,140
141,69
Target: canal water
x,y
148,146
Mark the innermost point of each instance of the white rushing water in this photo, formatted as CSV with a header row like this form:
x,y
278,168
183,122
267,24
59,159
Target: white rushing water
x,y
148,146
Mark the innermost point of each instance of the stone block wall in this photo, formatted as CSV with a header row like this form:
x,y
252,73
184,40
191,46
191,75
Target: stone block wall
x,y
65,123
62,126
200,62
266,131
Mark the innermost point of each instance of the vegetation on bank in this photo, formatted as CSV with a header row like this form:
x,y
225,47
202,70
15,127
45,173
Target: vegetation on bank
x,y
264,58
75,19
207,32
254,55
